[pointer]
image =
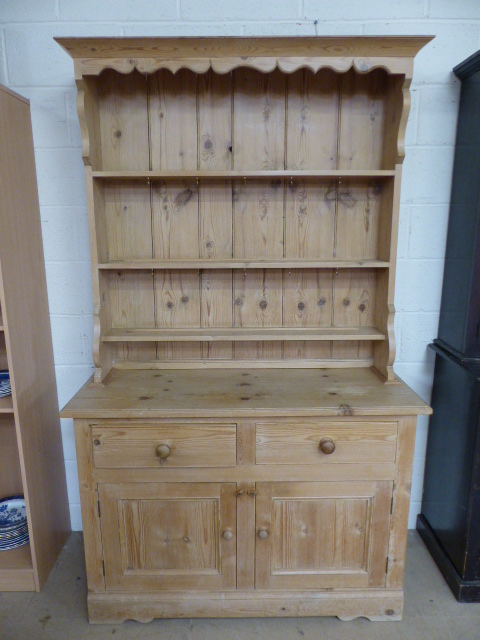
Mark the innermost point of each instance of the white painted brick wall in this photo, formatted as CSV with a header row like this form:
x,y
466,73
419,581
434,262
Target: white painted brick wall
x,y
35,66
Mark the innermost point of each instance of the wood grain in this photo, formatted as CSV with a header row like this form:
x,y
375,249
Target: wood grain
x,y
191,446
122,108
359,442
172,120
170,536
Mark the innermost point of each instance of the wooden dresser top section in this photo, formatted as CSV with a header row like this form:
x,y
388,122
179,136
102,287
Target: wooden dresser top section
x,y
93,55
235,393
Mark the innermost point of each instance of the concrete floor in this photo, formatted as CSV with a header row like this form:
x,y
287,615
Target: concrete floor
x,y
59,612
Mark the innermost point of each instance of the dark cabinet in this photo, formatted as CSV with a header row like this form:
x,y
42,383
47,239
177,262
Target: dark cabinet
x,y
450,520
459,329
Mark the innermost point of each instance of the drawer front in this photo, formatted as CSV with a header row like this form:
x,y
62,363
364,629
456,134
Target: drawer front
x,y
164,446
347,442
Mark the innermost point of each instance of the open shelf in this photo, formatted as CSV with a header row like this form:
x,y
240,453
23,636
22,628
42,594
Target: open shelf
x,y
243,264
239,334
16,569
284,174
19,558
6,404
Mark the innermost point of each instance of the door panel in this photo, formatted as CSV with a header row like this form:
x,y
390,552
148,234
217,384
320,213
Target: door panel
x,y
169,535
322,534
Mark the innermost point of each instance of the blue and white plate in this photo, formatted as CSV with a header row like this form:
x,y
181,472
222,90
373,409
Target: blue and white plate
x,y
14,545
5,385
12,512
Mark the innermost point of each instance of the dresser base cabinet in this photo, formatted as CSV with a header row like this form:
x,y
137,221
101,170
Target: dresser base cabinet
x,y
250,512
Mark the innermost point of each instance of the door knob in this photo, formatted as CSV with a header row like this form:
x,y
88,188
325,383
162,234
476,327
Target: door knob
x,y
263,534
163,451
227,534
327,446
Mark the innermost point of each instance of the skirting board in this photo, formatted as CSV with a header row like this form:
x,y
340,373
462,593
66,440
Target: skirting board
x,y
111,608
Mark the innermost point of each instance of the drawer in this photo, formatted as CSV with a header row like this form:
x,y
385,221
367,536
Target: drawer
x,y
132,446
348,442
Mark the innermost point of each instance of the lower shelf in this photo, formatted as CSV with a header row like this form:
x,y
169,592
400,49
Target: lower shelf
x,y
6,405
16,570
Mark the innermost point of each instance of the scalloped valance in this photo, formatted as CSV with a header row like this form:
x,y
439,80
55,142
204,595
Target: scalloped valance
x,y
147,55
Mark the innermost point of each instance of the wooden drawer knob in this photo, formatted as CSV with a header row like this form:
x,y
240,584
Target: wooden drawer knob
x,y
263,534
327,446
227,534
163,451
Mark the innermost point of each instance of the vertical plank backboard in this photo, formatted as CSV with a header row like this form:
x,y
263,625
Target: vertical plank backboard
x,y
215,219
310,220
173,120
215,204
131,303
257,302
216,309
258,120
358,219
177,305
122,104
354,298
175,219
214,121
353,305
258,219
307,298
362,120
307,302
127,220
312,119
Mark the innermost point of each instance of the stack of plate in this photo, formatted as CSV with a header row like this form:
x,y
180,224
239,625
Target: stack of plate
x,y
5,388
13,523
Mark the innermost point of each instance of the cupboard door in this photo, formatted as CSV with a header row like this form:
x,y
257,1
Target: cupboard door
x,y
315,535
169,536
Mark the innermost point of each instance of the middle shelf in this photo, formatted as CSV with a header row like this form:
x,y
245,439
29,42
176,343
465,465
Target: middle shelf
x,y
232,263
239,334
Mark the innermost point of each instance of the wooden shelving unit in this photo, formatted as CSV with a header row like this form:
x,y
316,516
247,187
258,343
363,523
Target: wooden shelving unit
x,y
244,446
31,456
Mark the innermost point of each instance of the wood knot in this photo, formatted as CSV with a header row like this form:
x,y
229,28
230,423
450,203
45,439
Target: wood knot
x,y
321,302
186,539
230,148
169,305
209,244
208,144
301,306
362,307
144,398
185,299
96,442
263,305
117,133
183,197
346,302
238,302
345,410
